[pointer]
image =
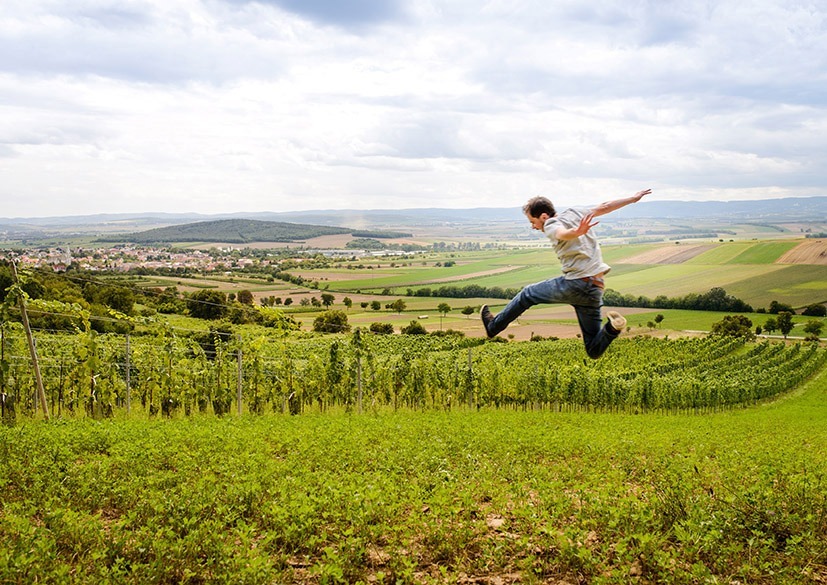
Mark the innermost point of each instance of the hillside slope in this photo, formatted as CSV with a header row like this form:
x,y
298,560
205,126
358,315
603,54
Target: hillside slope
x,y
240,231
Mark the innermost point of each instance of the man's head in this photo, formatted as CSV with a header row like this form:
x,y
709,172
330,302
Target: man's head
x,y
538,210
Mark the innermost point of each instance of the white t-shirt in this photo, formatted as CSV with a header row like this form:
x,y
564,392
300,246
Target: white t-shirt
x,y
580,257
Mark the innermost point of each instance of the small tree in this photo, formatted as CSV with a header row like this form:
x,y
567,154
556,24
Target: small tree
x,y
375,305
785,323
415,328
381,328
468,311
776,307
398,305
816,310
658,319
771,325
734,325
444,309
348,302
814,328
327,299
331,321
207,304
245,297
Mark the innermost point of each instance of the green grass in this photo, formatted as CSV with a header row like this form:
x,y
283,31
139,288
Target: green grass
x,y
680,320
676,280
422,497
721,254
797,285
764,252
745,269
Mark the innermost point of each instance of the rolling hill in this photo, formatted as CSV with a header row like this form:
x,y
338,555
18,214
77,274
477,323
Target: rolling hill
x,y
241,231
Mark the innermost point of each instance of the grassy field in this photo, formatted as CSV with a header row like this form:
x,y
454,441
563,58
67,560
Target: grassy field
x,y
747,269
491,496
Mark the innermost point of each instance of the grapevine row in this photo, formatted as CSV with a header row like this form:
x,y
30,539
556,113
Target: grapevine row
x,y
165,374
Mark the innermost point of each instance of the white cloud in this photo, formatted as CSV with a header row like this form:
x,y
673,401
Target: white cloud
x,y
230,105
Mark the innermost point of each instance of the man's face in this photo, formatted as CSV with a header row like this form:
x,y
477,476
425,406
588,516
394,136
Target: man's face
x,y
537,223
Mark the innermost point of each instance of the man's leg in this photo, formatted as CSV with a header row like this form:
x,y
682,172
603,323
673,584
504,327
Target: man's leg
x,y
548,291
596,336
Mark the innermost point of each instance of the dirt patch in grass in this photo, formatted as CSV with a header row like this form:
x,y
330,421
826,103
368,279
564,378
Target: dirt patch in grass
x,y
808,252
675,254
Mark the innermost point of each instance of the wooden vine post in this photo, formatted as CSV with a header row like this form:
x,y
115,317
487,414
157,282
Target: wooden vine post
x,y
41,392
128,367
240,377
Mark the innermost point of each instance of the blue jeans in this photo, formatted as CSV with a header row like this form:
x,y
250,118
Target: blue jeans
x,y
585,297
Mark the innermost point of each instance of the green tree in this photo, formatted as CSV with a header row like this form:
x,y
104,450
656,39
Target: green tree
x,y
381,328
375,305
398,305
348,302
331,321
785,323
415,328
771,325
207,304
776,307
815,310
658,319
444,309
468,311
245,297
327,299
813,327
734,325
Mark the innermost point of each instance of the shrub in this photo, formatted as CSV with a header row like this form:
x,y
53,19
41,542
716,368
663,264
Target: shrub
x,y
734,325
815,310
333,321
381,328
415,328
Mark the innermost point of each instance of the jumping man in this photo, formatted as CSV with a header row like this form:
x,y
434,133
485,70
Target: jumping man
x,y
581,284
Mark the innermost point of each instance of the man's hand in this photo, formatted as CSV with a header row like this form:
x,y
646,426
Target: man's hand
x,y
639,195
610,206
586,223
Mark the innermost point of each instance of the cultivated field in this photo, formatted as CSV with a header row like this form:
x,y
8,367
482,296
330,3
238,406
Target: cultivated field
x,y
756,271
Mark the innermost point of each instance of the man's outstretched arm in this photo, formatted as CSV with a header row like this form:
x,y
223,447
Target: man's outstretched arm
x,y
587,222
610,206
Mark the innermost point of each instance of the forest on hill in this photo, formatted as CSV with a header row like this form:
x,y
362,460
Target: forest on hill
x,y
241,231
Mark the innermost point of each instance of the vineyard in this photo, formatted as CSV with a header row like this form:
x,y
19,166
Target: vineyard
x,y
165,374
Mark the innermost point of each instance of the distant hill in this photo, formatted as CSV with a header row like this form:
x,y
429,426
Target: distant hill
x,y
789,208
240,231
778,210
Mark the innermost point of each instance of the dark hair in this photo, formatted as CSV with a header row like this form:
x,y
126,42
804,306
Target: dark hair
x,y
537,206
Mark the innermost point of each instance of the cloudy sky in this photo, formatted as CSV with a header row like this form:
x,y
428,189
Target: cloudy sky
x,y
217,106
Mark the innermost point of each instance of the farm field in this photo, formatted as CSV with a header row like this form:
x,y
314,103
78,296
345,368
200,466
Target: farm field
x,y
459,496
756,272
